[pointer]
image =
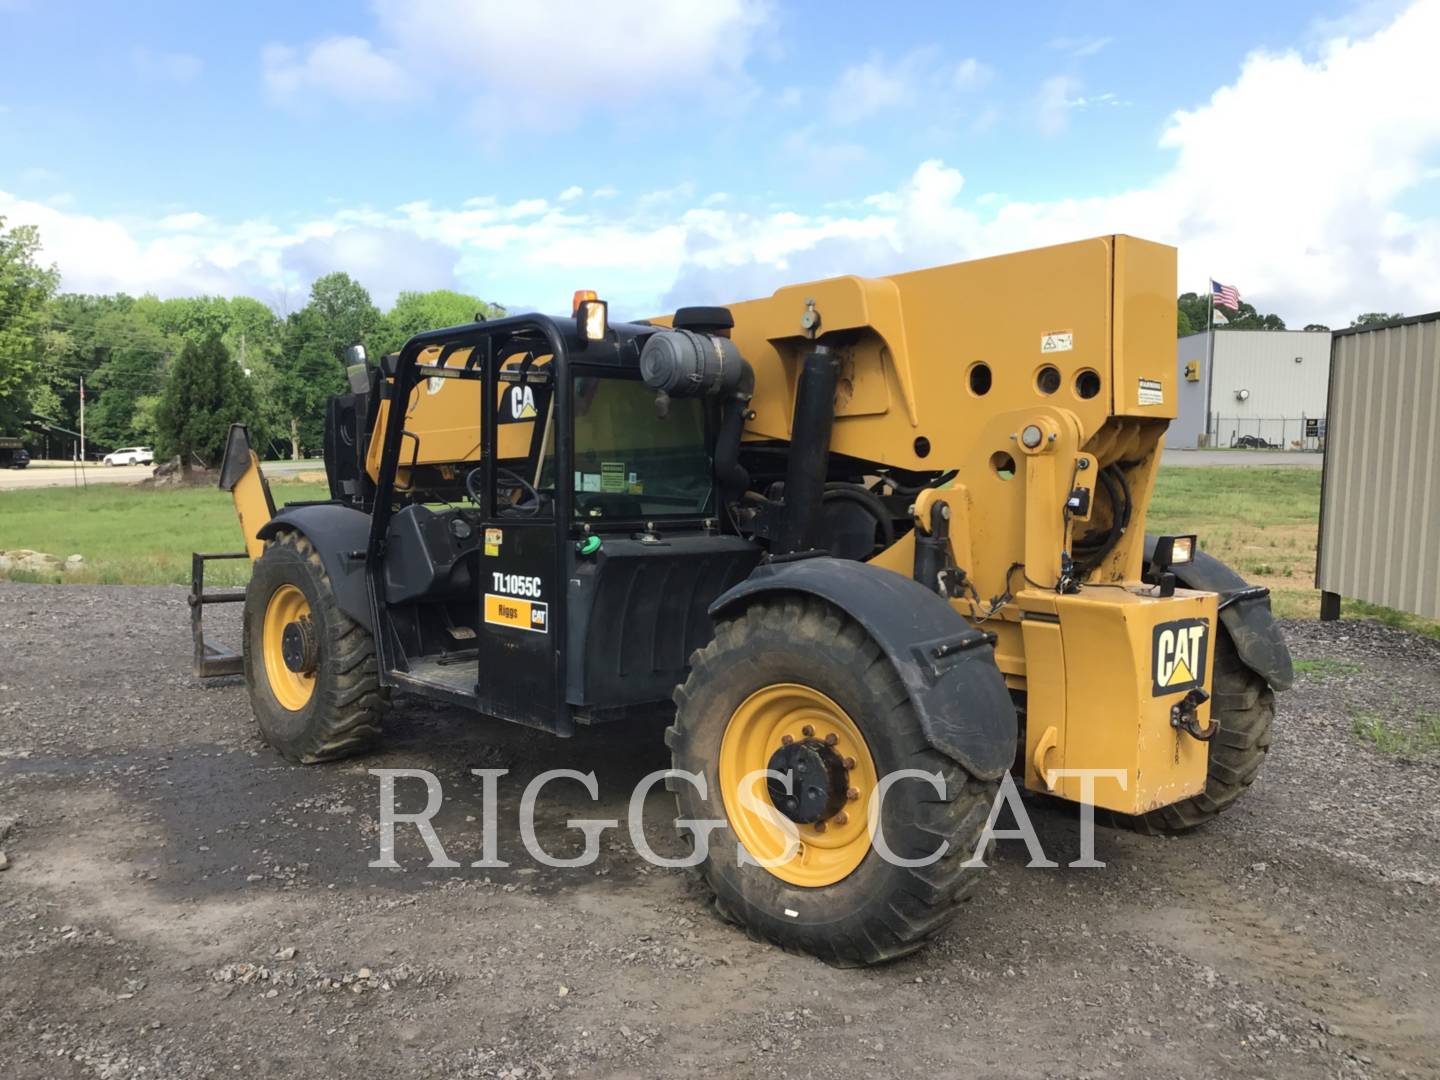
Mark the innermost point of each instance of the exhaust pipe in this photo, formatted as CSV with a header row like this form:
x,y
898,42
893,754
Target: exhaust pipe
x,y
809,461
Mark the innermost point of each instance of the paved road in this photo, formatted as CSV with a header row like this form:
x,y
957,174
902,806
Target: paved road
x,y
1302,459
41,474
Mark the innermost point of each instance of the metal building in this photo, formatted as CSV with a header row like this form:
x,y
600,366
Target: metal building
x,y
1380,491
1264,387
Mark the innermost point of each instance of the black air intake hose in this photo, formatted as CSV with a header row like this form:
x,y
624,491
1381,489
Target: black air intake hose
x,y
682,363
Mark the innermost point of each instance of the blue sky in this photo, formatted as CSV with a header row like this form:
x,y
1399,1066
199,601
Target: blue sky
x,y
709,151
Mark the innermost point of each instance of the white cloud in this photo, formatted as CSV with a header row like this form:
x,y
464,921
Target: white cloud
x,y
1052,103
348,68
1258,193
881,83
1059,96
571,193
608,58
970,72
1080,47
174,67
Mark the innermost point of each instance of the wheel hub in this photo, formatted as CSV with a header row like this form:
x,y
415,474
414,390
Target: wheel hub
x,y
824,772
817,781
298,647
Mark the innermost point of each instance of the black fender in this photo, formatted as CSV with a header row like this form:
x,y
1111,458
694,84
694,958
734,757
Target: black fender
x,y
1247,617
340,535
947,666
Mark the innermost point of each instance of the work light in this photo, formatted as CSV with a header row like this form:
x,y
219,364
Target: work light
x,y
592,317
1173,551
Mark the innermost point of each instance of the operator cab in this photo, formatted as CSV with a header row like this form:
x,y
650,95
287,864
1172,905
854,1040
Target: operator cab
x,y
561,568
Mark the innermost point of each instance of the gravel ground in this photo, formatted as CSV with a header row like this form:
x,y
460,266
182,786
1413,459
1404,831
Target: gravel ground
x,y
181,903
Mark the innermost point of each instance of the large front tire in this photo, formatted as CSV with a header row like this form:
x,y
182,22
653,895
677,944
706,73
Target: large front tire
x,y
795,668
309,667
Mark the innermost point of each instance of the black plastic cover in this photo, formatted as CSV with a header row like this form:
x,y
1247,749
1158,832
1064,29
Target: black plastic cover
x,y
638,610
1248,619
337,533
947,666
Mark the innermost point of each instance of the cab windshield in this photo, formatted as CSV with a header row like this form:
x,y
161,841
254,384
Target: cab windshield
x,y
632,463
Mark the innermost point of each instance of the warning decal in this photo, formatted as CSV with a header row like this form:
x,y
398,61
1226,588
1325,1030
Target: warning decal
x,y
1178,655
1058,341
518,614
1151,392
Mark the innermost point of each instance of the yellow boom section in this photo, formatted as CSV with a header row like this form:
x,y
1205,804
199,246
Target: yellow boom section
x,y
240,474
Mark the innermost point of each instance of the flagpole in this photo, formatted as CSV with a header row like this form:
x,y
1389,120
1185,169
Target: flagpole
x,y
1210,356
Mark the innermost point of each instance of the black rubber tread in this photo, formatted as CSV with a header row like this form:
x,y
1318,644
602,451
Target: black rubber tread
x,y
343,716
879,912
1244,706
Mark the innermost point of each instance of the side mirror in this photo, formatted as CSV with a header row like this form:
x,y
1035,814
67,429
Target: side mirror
x,y
355,354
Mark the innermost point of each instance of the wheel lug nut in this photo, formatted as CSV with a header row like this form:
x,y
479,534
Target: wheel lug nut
x,y
808,730
852,794
849,763
842,818
786,740
831,739
819,826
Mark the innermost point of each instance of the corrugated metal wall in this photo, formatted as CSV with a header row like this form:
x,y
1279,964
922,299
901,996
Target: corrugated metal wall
x,y
1189,423
1380,506
1284,374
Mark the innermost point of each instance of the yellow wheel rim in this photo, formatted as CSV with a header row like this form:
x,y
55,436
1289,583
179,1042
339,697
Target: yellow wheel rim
x,y
828,850
292,689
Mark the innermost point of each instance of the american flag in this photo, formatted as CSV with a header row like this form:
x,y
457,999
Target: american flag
x,y
1225,295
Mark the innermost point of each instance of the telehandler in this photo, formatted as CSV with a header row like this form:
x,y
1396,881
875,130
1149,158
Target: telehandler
x,y
864,525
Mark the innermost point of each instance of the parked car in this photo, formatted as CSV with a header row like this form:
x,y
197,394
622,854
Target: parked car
x,y
13,454
130,455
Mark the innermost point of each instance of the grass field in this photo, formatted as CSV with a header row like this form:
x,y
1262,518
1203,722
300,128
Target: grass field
x,y
1262,521
132,535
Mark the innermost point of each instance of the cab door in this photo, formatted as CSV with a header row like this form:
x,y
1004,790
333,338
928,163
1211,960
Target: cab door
x,y
521,577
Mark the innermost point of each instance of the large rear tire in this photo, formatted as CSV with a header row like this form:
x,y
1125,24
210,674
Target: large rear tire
x,y
1244,706
309,667
792,674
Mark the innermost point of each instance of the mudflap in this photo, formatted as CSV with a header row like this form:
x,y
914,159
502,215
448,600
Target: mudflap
x,y
947,667
1244,612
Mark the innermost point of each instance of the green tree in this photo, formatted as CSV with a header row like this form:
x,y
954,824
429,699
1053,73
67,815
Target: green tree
x,y
1372,318
1317,326
1195,307
1247,318
81,332
135,354
1183,326
25,289
418,311
1193,312
343,313
205,393
305,375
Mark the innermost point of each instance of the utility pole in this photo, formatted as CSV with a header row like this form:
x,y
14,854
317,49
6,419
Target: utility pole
x,y
82,421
